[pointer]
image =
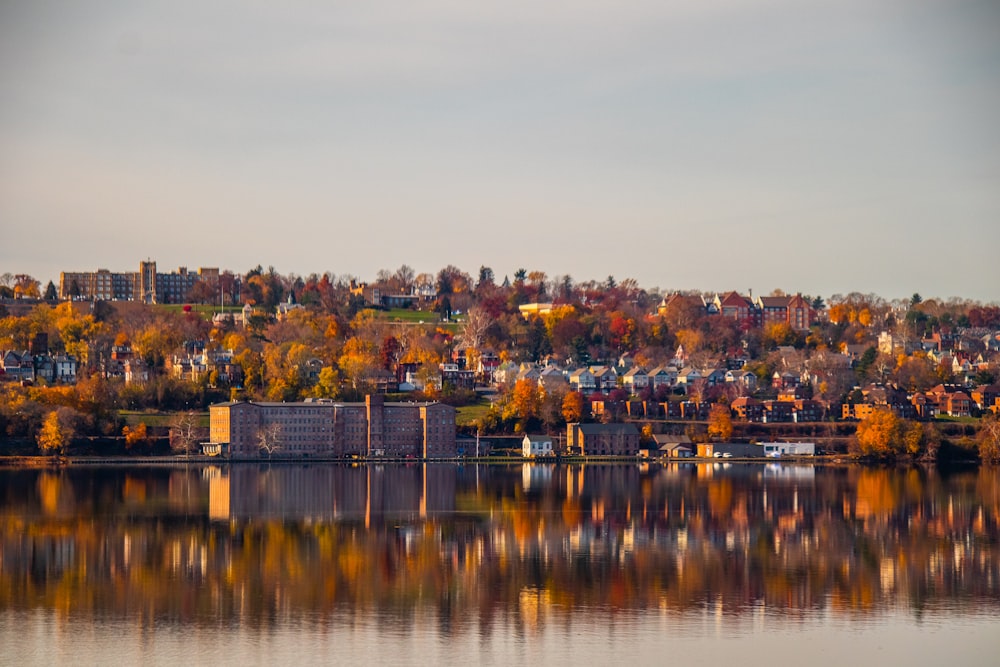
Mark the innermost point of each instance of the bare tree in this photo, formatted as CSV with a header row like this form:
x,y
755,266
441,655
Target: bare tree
x,y
269,438
184,433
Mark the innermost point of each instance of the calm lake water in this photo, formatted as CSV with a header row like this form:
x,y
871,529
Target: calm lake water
x,y
767,564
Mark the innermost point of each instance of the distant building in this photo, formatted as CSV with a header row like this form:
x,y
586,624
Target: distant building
x,y
324,428
145,285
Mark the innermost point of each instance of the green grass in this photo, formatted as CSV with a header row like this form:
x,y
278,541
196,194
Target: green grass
x,y
205,310
959,420
468,415
429,317
164,419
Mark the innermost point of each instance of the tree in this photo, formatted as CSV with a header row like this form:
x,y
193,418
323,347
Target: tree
x,y
720,422
134,436
50,292
184,433
57,431
881,434
572,407
989,438
269,438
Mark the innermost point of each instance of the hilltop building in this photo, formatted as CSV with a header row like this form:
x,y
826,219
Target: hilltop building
x,y
145,285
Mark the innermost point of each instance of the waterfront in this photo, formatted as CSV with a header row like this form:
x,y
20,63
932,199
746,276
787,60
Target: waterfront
x,y
450,564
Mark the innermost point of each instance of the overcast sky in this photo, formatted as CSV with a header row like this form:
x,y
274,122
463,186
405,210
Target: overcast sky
x,y
821,146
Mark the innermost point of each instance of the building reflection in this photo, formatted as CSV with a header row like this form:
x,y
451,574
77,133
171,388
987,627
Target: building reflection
x,y
539,543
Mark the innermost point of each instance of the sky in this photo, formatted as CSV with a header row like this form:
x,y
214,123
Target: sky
x,y
821,147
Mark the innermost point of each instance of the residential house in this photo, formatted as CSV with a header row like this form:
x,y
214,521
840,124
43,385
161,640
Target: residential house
x,y
674,446
741,378
662,376
635,380
688,376
533,446
605,377
713,376
583,381
18,366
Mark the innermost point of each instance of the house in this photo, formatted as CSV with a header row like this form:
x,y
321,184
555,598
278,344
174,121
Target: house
x,y
136,371
674,446
662,376
744,379
785,380
18,366
552,378
688,376
635,380
605,377
713,376
583,381
533,446
602,439
65,368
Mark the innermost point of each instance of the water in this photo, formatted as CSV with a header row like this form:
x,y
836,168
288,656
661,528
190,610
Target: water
x,y
457,565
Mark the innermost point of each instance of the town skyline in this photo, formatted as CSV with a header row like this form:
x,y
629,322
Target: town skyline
x,y
735,144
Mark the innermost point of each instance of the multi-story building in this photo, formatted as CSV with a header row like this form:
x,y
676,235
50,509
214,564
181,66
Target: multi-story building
x,y
144,285
602,439
326,428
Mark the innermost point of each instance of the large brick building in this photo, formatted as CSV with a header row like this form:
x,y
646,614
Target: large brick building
x,y
326,428
144,285
602,439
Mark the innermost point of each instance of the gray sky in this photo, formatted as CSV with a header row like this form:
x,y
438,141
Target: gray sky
x,y
821,146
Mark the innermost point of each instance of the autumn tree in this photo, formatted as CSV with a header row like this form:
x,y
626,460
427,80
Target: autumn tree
x,y
57,431
886,435
572,407
134,435
720,422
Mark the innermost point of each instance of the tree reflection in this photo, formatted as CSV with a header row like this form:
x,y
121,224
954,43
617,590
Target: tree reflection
x,y
541,544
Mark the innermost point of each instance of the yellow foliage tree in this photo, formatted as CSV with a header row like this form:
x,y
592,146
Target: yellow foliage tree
x,y
880,434
57,431
134,436
720,422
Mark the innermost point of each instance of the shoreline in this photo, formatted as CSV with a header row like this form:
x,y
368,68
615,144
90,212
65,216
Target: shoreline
x,y
28,462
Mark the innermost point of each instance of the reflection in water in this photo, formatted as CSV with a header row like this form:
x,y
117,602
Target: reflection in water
x,y
473,548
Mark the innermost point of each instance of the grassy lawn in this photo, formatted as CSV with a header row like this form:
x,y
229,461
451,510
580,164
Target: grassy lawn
x,y
136,417
408,316
205,310
957,420
468,415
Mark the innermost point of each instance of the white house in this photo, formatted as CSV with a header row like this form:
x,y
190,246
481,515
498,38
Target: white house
x,y
536,445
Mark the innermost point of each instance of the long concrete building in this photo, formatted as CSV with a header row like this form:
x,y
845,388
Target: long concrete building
x,y
324,428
